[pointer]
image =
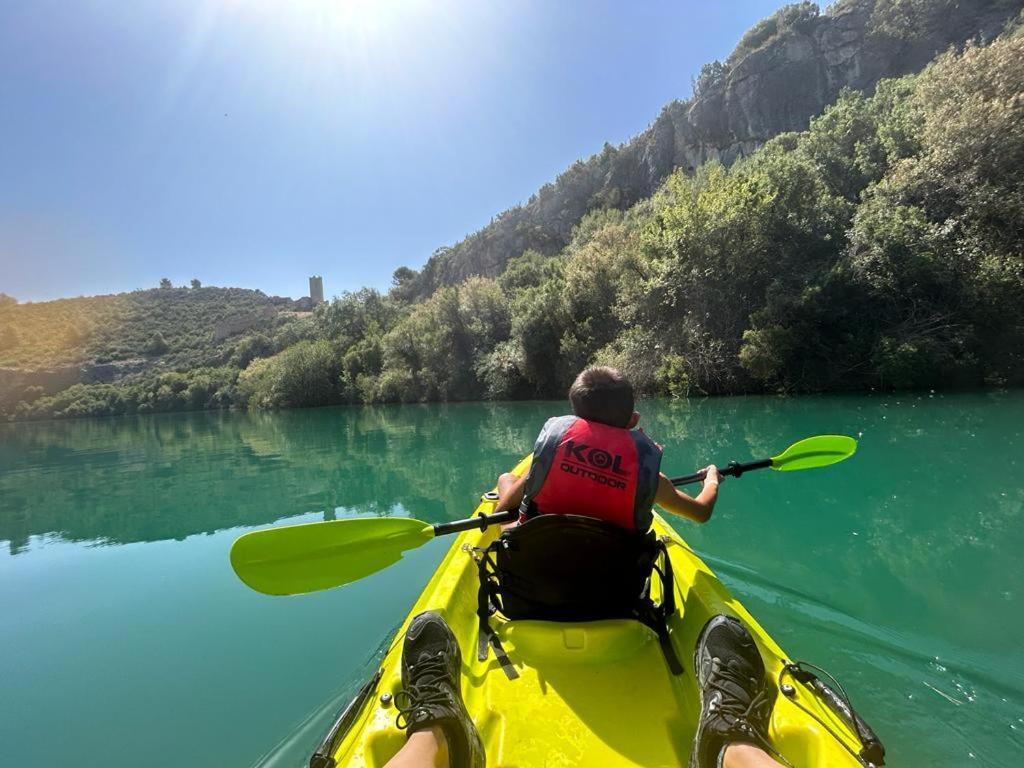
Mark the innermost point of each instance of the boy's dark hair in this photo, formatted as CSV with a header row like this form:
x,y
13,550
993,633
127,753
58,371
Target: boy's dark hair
x,y
602,394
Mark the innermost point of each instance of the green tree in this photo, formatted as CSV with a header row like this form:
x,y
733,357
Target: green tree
x,y
354,316
600,261
404,284
360,367
427,354
484,315
306,374
156,345
530,268
539,321
722,242
711,77
249,348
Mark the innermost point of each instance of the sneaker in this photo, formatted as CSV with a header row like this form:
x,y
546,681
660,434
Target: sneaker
x,y
736,698
431,669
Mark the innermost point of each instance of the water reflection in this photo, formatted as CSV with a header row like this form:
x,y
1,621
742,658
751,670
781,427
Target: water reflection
x,y
166,477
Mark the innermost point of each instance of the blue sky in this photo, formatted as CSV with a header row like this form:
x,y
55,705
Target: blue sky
x,y
255,142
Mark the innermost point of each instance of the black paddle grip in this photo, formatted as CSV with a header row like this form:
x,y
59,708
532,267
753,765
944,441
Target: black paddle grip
x,y
480,521
735,469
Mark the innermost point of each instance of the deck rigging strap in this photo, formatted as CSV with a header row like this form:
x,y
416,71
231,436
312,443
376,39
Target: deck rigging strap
x,y
487,592
872,752
591,583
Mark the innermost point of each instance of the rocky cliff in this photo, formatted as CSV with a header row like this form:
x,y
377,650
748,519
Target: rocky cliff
x,y
785,70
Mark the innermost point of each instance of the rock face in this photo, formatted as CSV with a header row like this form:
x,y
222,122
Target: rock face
x,y
779,85
234,325
784,71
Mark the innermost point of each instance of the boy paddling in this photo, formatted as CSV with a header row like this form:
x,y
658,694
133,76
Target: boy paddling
x,y
596,463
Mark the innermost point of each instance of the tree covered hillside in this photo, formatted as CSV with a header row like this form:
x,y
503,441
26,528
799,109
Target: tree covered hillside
x,y
161,349
176,324
880,248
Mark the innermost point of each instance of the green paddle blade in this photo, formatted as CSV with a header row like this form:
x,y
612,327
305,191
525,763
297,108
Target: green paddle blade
x,y
294,559
815,452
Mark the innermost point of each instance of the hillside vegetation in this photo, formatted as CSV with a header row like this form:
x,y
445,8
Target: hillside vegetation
x,y
174,323
166,349
883,247
880,248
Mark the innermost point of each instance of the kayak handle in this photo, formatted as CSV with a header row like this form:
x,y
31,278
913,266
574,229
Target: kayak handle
x,y
324,755
480,521
735,469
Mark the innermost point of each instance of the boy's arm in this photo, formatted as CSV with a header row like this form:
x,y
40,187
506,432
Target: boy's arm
x,y
678,503
510,492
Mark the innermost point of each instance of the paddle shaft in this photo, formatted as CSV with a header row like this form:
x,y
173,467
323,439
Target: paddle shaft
x,y
735,469
480,521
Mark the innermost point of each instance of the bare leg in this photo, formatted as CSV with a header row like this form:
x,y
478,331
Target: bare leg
x,y
424,749
748,756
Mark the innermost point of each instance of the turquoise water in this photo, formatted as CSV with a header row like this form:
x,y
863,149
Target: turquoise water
x,y
127,640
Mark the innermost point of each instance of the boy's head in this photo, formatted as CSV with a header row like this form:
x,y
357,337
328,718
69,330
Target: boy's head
x,y
605,395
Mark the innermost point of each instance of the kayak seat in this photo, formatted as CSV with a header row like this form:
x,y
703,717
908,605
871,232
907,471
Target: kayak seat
x,y
568,568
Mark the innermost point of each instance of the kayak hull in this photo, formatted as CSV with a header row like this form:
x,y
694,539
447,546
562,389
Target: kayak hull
x,y
588,693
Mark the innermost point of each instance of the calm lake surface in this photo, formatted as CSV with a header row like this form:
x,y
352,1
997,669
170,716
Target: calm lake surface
x,y
126,639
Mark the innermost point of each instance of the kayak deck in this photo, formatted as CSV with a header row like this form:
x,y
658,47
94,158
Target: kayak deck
x,y
588,693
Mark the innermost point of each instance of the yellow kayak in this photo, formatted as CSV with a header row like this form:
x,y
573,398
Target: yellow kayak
x,y
588,693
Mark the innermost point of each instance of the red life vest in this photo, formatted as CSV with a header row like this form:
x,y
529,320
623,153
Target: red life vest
x,y
595,470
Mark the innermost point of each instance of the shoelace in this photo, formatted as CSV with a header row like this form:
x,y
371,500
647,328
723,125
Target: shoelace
x,y
737,715
428,672
732,708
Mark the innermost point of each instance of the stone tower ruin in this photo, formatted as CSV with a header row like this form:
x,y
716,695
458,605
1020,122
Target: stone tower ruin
x,y
316,289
